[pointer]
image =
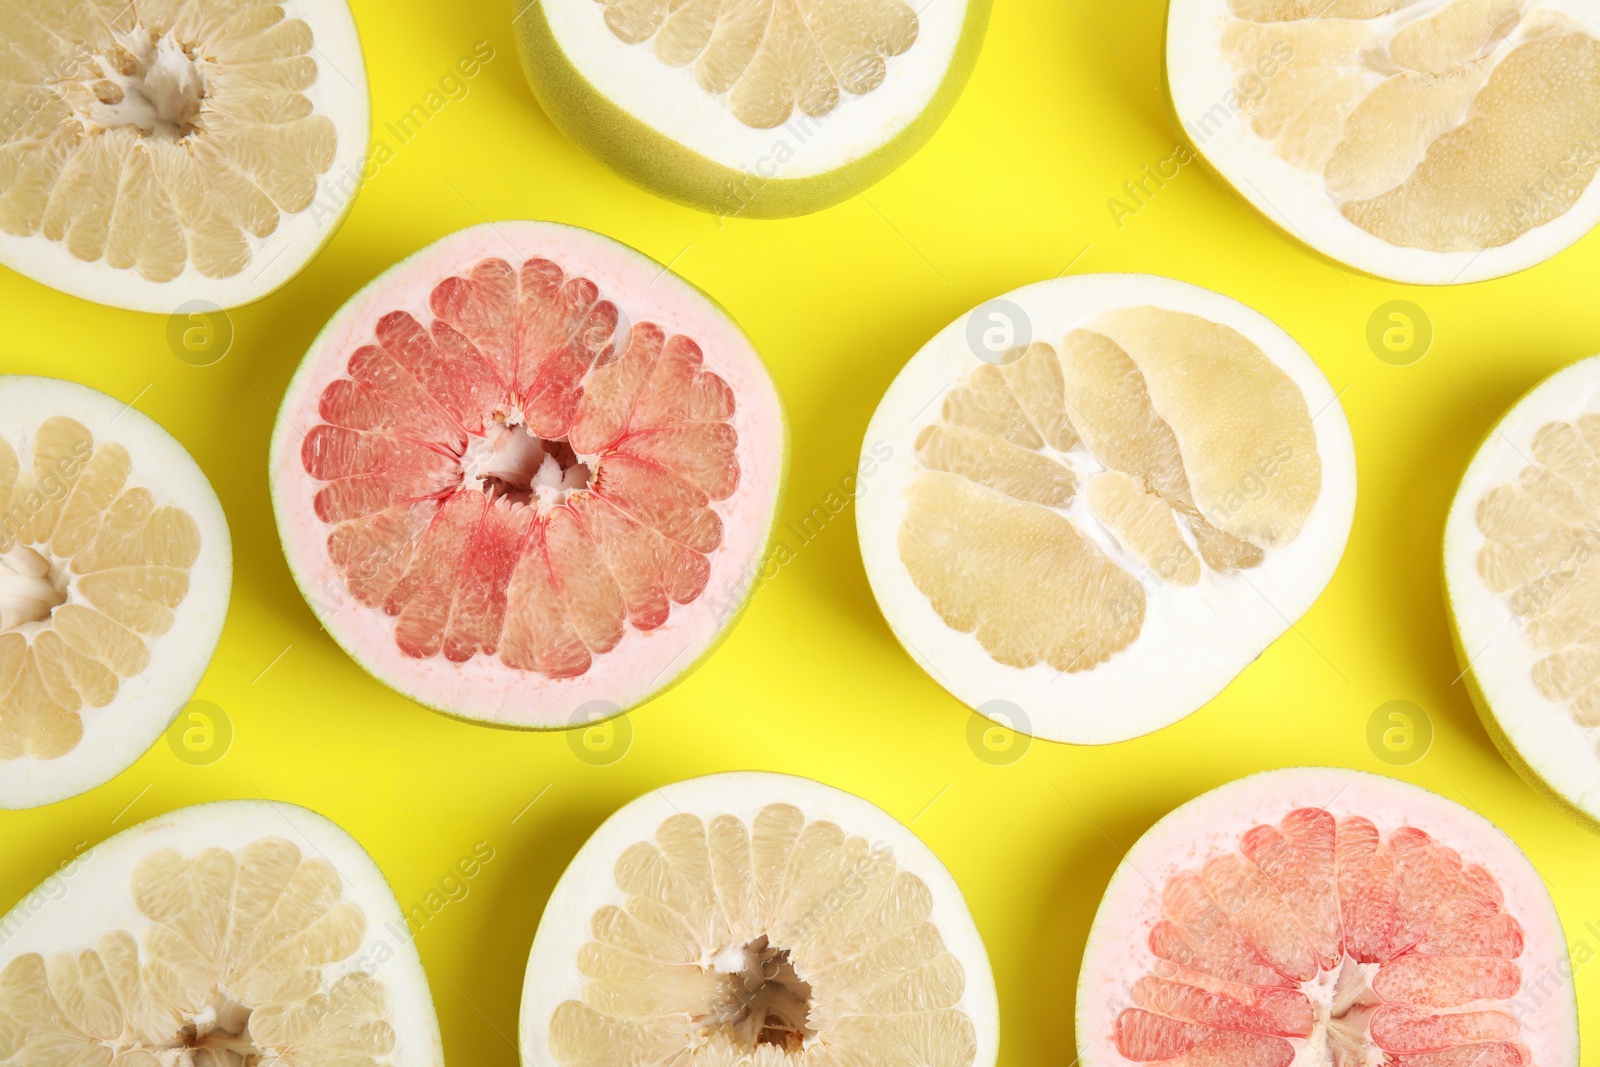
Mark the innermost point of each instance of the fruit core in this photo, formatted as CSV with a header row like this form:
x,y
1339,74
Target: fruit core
x,y
91,572
1327,935
160,136
525,476
766,1002
1541,552
768,58
1185,470
150,84
778,941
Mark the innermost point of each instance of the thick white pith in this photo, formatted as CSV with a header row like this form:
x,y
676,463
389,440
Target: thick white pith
x,y
1493,645
1195,639
1212,824
1200,81
116,735
668,100
90,896
160,98
553,975
643,663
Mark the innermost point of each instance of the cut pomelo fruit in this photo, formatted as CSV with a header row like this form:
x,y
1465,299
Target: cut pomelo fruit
x,y
1429,141
528,475
115,567
759,108
157,153
1103,525
1522,573
1328,917
757,918
225,935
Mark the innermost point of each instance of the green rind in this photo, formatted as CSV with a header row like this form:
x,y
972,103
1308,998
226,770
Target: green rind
x,y
722,634
1469,677
656,162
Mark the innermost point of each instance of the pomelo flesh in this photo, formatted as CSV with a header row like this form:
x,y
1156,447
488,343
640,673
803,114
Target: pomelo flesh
x,y
1520,571
1437,141
1321,916
161,153
757,918
510,499
1059,525
115,567
224,935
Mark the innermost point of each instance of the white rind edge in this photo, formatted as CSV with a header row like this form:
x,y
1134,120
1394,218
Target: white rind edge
x,y
1199,79
1565,755
668,100
589,884
115,736
1117,951
1127,695
642,665
340,92
89,896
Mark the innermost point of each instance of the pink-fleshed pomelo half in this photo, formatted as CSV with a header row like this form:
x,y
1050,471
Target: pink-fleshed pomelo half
x,y
1317,916
527,475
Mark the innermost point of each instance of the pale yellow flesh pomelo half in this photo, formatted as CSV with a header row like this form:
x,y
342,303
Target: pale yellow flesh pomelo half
x,y
756,918
231,934
750,108
115,566
1522,575
1435,141
1089,504
162,152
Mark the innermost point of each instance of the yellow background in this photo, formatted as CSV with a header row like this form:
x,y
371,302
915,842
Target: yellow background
x,y
1064,108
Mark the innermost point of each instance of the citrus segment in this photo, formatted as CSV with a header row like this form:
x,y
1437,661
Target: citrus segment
x,y
1437,141
526,479
1068,503
1324,936
763,931
173,141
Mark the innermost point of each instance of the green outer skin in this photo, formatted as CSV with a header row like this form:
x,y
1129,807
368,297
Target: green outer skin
x,y
1480,702
728,624
1079,1023
650,159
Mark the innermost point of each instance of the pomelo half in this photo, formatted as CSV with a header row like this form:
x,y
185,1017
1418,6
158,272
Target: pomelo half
x,y
1430,141
1316,916
1089,504
115,566
527,476
756,918
162,152
1522,572
757,108
225,935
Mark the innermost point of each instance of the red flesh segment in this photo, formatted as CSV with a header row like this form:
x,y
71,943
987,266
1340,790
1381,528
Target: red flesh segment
x,y
1233,941
545,590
